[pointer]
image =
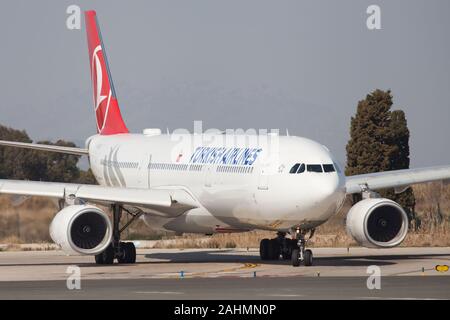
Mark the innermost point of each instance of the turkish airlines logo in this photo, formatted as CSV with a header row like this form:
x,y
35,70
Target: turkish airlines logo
x,y
100,93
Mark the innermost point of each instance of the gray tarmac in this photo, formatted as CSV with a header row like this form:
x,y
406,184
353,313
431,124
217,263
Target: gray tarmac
x,y
337,273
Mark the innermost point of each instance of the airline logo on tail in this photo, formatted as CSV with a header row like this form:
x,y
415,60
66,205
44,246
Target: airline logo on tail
x,y
107,111
97,81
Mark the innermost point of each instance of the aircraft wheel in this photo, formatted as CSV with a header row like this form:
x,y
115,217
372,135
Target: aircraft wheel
x,y
264,249
106,257
274,249
287,250
308,258
128,253
295,257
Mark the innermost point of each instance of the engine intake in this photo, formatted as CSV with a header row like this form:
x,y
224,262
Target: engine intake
x,y
81,229
379,223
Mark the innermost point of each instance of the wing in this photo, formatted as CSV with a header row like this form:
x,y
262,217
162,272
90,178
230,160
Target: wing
x,y
399,179
45,147
163,202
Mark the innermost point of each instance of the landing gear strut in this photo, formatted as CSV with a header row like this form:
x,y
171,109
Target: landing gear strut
x,y
300,253
286,248
124,252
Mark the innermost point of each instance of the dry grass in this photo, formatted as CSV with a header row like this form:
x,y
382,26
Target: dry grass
x,y
26,223
29,222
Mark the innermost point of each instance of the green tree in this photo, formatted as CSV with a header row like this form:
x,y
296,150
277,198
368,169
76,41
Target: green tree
x,y
52,166
379,141
87,177
11,159
400,160
25,164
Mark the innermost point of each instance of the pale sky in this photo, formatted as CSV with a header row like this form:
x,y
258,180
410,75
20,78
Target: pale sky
x,y
297,65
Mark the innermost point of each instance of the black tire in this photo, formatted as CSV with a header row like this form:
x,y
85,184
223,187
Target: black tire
x,y
295,257
274,249
106,257
128,253
308,258
286,255
290,245
132,252
293,243
123,254
264,249
99,258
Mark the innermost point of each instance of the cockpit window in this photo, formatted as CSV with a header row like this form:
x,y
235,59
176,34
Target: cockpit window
x,y
294,168
328,168
301,168
337,167
314,168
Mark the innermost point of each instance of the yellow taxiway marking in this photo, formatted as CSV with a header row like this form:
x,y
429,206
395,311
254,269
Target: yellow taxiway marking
x,y
245,266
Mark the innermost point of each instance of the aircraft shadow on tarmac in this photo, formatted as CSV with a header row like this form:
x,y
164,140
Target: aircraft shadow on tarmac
x,y
229,257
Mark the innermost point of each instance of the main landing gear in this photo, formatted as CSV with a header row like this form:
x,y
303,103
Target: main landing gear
x,y
124,252
285,248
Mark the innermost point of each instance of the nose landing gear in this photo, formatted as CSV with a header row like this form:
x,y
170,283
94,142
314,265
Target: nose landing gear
x,y
300,253
293,249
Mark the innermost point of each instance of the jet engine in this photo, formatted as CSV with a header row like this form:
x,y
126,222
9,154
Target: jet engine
x,y
377,223
81,229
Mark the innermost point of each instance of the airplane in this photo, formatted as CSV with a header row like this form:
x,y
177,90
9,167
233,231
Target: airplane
x,y
289,186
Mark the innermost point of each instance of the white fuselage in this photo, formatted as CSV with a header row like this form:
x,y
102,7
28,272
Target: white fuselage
x,y
240,185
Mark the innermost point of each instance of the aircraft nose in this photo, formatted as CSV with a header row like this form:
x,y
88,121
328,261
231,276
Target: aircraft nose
x,y
326,188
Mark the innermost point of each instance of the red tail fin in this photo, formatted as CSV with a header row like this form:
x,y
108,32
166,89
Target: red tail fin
x,y
107,111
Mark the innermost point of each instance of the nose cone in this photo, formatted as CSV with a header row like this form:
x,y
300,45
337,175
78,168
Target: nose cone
x,y
327,193
326,186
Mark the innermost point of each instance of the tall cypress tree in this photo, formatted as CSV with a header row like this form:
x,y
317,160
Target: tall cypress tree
x,y
379,141
400,160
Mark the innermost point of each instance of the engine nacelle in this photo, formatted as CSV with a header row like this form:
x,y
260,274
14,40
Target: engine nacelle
x,y
81,229
377,223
